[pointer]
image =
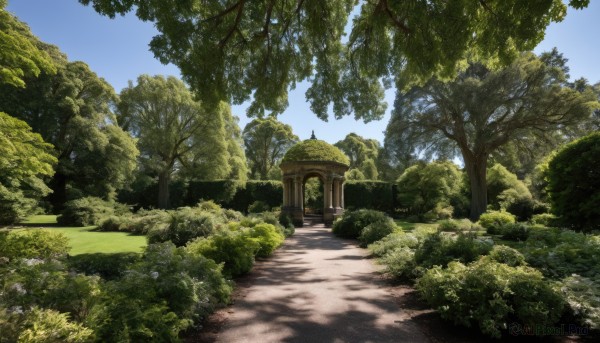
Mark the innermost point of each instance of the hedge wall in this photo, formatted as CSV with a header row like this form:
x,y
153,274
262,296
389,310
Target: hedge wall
x,y
375,195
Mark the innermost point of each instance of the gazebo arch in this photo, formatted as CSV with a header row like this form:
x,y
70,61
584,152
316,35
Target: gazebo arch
x,y
306,159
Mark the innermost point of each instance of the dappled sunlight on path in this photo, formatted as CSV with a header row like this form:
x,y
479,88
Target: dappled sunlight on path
x,y
318,288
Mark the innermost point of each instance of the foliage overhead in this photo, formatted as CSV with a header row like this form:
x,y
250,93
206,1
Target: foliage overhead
x,y
236,50
266,141
315,150
20,56
483,110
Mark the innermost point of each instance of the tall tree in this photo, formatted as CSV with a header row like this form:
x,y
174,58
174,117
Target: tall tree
x,y
20,56
174,131
481,111
358,149
235,148
233,50
266,141
24,160
71,109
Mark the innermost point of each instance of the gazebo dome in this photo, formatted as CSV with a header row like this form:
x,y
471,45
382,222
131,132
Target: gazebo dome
x,y
313,150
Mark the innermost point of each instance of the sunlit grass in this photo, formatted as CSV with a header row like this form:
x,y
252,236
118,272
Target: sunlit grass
x,y
84,240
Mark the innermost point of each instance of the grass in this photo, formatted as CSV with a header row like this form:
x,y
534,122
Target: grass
x,y
84,240
409,226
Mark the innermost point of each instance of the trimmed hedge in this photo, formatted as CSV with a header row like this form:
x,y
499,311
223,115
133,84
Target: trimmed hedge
x,y
371,195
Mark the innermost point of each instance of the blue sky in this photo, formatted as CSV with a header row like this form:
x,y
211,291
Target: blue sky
x,y
117,50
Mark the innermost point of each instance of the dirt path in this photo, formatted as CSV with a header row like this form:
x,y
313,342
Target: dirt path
x,y
318,288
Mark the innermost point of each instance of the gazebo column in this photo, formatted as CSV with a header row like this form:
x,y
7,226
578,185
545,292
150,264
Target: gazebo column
x,y
298,206
285,193
328,211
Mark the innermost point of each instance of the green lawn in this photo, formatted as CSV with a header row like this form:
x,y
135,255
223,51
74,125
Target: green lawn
x,y
86,241
408,226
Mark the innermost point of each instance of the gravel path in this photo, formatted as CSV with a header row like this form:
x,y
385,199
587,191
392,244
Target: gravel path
x,y
318,288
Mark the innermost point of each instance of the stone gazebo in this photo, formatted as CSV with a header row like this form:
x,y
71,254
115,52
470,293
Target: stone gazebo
x,y
313,158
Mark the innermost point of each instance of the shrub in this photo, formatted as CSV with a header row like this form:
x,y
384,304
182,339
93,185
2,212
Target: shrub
x,y
449,226
145,221
376,231
559,253
108,266
574,183
583,297
41,244
351,224
87,211
507,255
236,249
184,225
440,249
268,237
393,241
491,294
492,220
288,225
514,231
46,325
400,263
545,219
166,292
258,207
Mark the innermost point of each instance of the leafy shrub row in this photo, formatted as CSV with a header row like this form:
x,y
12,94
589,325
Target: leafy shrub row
x,y
491,295
366,225
89,211
154,298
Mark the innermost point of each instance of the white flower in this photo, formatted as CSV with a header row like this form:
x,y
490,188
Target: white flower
x,y
17,287
33,261
154,275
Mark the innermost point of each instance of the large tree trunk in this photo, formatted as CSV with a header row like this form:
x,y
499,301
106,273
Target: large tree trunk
x,y
476,167
58,197
163,189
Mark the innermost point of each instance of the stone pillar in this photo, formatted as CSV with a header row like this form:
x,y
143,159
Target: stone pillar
x,y
298,212
328,211
285,193
336,193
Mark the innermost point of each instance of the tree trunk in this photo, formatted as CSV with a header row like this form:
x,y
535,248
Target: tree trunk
x,y
58,197
163,189
476,168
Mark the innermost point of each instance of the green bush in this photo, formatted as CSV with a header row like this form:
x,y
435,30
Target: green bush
x,y
492,220
184,225
507,255
268,237
88,211
400,263
514,231
583,297
258,207
41,244
450,225
45,325
440,249
545,219
234,248
145,221
503,187
351,224
574,183
165,293
107,266
285,220
492,295
376,231
394,241
559,253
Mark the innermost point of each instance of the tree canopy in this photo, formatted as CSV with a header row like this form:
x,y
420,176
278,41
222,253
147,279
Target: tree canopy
x,y
71,109
266,141
483,110
20,56
24,160
174,131
238,50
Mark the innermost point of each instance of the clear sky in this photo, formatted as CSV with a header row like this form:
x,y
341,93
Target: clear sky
x,y
117,50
